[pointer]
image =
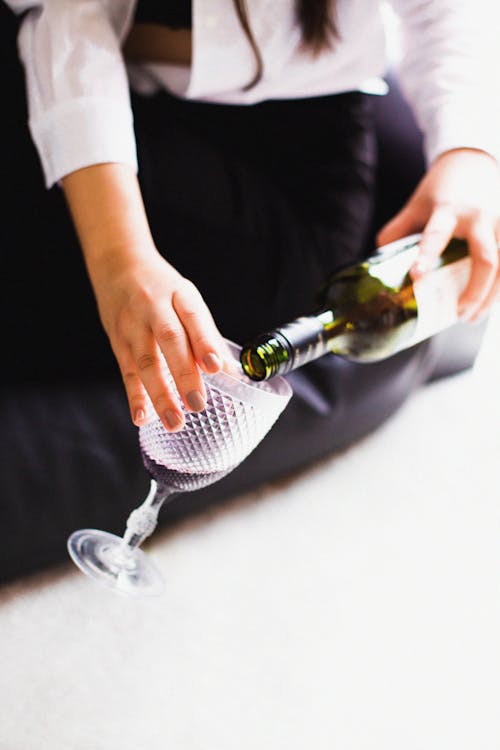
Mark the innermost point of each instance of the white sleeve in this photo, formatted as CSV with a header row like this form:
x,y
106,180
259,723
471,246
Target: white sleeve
x,y
449,70
77,87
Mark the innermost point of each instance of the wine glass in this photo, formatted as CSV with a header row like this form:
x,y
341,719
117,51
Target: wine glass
x,y
239,413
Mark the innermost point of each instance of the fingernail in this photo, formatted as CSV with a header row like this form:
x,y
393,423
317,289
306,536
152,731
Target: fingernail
x,y
465,313
479,317
212,362
139,416
195,401
173,419
422,266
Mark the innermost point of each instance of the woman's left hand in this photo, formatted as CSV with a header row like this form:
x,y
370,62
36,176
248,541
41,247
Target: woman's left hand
x,y
459,196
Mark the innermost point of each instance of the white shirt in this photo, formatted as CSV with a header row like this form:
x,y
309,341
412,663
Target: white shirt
x,y
78,83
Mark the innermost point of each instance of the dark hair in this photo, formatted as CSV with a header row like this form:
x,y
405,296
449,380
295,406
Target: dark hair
x,y
317,24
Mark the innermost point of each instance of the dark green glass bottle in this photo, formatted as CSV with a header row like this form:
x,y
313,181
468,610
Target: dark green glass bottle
x,y
367,312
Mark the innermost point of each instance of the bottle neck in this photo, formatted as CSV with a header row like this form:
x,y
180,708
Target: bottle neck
x,y
292,346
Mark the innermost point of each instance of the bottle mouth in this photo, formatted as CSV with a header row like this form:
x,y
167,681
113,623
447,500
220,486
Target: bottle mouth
x,y
243,385
253,364
266,358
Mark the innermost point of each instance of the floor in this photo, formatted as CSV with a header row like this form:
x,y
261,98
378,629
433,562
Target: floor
x,y
355,607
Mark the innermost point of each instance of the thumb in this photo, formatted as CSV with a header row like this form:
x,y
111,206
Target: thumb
x,y
405,222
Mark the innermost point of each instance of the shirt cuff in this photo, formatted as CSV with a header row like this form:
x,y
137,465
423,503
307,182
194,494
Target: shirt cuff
x,y
459,124
83,132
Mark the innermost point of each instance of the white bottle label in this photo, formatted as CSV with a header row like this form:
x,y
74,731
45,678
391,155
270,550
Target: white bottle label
x,y
437,296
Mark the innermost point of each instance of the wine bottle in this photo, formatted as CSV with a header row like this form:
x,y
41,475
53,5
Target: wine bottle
x,y
367,312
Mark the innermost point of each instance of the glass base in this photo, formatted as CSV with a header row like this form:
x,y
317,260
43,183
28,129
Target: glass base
x,y
102,557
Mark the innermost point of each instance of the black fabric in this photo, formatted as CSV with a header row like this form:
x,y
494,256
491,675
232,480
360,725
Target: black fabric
x,y
255,204
177,14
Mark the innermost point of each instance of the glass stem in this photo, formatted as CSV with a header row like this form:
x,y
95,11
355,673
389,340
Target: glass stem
x,y
142,521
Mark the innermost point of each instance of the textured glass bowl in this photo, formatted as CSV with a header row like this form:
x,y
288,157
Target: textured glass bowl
x,y
239,413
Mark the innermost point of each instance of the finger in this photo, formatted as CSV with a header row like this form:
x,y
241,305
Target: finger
x,y
436,234
407,221
492,299
150,366
134,389
206,342
175,347
484,254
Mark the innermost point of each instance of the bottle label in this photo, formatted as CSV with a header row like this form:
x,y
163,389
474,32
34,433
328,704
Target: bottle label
x,y
437,295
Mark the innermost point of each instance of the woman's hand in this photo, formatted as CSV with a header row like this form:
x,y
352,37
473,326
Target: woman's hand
x,y
459,196
154,317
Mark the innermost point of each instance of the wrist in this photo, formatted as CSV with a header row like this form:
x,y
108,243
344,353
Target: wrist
x,y
107,261
106,206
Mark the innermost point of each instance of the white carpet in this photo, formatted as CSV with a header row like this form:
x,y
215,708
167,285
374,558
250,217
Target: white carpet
x,y
353,607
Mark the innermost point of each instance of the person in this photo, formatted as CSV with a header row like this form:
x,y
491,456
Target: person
x,y
217,161
75,56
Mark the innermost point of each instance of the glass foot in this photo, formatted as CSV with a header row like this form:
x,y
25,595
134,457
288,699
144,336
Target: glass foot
x,y
102,557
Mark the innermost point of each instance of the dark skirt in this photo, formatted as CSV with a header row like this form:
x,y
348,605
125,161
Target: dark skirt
x,y
255,204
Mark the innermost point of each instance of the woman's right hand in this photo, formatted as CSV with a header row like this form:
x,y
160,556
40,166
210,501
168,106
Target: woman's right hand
x,y
154,317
